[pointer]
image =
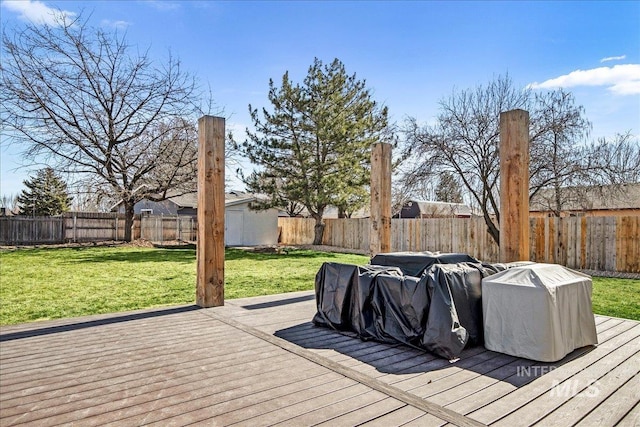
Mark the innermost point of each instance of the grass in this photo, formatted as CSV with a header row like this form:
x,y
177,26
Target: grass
x,y
52,283
40,284
616,297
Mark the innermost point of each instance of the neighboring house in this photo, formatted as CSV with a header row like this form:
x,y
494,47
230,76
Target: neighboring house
x,y
606,200
243,226
185,204
422,209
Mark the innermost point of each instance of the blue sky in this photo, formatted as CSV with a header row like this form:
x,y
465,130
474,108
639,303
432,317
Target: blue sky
x,y
411,54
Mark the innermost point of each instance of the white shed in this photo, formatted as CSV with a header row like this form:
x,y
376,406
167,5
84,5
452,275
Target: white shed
x,y
246,227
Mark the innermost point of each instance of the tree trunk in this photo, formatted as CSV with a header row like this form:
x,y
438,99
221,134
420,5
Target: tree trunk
x,y
128,220
494,231
558,198
318,231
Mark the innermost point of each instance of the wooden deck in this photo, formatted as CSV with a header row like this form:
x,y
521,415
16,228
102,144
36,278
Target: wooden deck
x,y
259,361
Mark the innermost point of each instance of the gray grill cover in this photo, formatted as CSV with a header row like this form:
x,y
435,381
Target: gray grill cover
x,y
540,312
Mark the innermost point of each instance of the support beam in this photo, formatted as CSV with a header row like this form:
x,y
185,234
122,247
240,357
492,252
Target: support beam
x,y
514,186
380,233
210,241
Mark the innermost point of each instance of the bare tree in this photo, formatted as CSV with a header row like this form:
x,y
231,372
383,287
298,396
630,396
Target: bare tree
x,y
614,161
567,174
465,142
89,104
9,203
558,131
89,197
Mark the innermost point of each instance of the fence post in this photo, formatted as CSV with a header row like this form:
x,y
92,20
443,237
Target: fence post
x,y
210,240
380,235
74,220
514,186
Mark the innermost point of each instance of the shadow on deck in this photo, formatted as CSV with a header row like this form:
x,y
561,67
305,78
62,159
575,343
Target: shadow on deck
x,y
398,359
260,361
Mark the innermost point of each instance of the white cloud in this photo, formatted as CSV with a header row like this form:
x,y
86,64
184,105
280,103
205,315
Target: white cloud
x,y
118,25
37,12
613,58
163,5
620,79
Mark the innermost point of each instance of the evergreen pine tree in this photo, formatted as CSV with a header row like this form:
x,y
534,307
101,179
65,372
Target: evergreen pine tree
x,y
314,147
46,195
448,189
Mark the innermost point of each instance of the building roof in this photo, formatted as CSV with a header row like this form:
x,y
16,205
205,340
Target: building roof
x,y
239,197
601,197
230,199
185,200
433,208
190,200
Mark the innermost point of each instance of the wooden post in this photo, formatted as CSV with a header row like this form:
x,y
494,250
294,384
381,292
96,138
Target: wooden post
x,y
514,186
210,240
380,235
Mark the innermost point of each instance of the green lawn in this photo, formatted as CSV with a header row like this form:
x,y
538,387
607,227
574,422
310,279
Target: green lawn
x,y
38,284
616,297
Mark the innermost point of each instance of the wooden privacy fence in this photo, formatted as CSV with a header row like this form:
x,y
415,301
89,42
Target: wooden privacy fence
x,y
83,227
597,243
30,230
466,235
159,228
594,243
80,227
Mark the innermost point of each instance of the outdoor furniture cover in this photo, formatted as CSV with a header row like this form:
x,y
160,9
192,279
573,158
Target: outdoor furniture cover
x,y
415,263
539,311
440,310
343,296
382,304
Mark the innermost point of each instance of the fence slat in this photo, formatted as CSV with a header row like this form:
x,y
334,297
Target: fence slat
x,y
603,243
31,230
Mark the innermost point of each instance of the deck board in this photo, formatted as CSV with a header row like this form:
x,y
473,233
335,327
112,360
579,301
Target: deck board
x,y
632,419
260,361
495,390
616,407
617,348
398,417
595,391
